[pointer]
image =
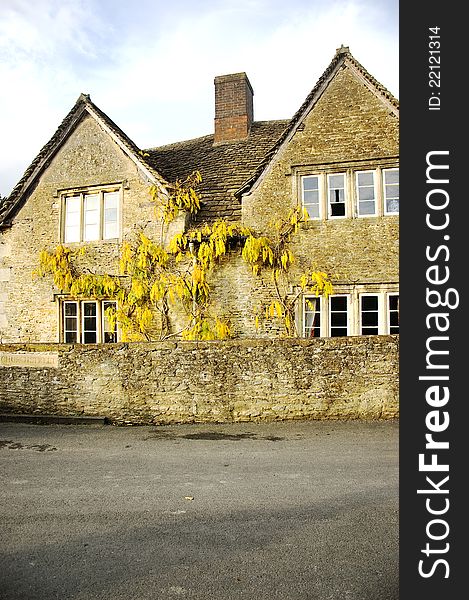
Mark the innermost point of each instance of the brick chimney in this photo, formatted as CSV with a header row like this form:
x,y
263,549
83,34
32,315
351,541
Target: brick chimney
x,y
233,107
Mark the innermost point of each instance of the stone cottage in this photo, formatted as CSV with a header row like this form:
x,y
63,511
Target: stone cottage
x,y
337,158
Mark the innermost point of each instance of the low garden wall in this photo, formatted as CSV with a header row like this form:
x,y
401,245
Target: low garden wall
x,y
185,382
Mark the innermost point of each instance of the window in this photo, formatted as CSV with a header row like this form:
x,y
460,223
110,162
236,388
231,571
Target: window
x,y
87,322
311,199
338,316
336,195
369,314
312,317
366,193
350,312
391,191
329,195
393,313
91,216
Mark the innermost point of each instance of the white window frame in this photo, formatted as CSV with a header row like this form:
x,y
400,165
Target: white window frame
x,y
76,318
389,295
354,311
346,199
306,309
375,193
386,212
101,320
105,321
103,225
379,312
319,204
330,312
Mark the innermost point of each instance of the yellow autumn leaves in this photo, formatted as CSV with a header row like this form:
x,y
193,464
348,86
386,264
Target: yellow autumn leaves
x,y
151,277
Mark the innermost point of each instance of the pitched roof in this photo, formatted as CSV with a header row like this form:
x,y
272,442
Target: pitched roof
x,y
224,167
341,57
228,169
9,206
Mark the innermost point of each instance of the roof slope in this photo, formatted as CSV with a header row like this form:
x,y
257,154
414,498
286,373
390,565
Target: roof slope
x,y
224,167
9,206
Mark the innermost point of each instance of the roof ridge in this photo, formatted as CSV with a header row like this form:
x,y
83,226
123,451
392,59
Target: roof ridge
x,y
210,135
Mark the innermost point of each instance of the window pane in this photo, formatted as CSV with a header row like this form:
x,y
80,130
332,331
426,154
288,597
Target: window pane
x,y
391,176
339,303
338,331
369,302
89,337
311,183
392,206
394,302
365,178
339,319
370,319
89,308
70,324
366,208
366,193
91,217
70,309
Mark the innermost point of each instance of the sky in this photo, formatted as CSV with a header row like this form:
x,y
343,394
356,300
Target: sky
x,y
150,64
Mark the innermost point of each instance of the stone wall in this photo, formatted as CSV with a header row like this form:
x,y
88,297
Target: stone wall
x,y
185,382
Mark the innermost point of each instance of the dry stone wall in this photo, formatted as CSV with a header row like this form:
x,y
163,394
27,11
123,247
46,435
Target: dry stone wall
x,y
185,382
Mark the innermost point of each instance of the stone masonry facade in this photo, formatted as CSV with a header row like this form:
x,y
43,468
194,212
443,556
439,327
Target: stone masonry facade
x,y
188,382
253,172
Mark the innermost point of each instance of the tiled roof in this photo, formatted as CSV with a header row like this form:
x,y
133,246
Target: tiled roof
x,y
224,167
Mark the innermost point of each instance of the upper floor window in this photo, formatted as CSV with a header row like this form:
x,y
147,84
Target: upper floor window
x,y
311,198
91,216
336,195
391,191
353,193
366,193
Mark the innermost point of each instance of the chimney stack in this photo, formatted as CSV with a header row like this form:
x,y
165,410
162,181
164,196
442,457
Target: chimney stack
x,y
233,107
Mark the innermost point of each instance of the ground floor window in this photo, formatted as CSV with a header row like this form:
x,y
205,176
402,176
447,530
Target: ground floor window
x,y
358,312
87,322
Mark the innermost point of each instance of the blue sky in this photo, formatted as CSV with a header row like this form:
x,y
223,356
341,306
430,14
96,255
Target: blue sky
x,y
150,64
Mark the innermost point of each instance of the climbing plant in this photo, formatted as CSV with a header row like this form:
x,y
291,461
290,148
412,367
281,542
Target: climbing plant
x,y
152,279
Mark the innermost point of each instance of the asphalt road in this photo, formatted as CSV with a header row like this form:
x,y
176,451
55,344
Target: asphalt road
x,y
302,510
